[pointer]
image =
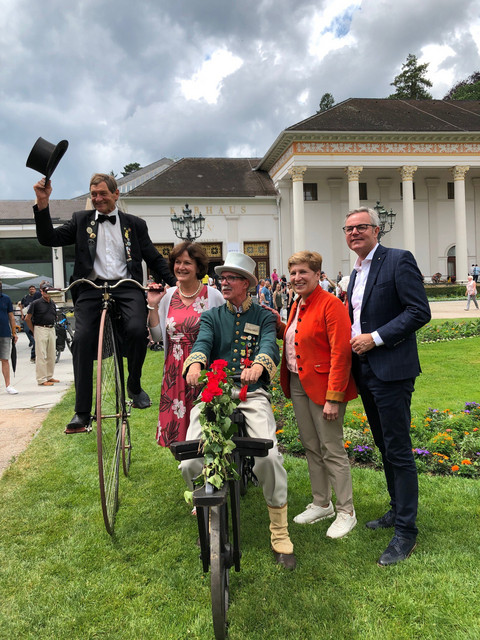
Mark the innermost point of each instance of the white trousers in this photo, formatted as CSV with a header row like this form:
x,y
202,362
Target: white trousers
x,y
260,424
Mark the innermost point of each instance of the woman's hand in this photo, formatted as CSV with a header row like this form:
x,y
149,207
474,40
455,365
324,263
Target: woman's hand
x,y
154,294
330,410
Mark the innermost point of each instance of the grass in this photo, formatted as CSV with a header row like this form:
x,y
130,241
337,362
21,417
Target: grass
x,y
62,576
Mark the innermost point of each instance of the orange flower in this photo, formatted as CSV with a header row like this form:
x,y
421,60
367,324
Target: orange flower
x,y
455,467
279,431
466,462
347,443
441,460
476,429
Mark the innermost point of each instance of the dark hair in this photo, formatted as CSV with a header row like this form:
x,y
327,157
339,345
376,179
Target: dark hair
x,y
195,251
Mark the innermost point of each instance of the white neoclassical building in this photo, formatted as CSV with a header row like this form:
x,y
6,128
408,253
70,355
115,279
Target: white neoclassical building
x,y
419,158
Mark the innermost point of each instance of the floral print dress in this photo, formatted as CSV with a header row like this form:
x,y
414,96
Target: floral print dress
x,y
176,399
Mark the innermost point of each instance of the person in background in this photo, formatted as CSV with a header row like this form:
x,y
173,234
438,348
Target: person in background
x,y
316,374
8,331
278,298
41,318
274,278
268,295
174,317
24,303
387,305
471,292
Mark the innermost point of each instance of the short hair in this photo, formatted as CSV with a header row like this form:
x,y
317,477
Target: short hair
x,y
109,180
374,219
196,253
312,258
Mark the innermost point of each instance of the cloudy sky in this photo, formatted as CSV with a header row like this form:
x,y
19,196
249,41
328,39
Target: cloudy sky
x,y
134,81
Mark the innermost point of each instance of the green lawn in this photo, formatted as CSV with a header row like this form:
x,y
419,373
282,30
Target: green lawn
x,y
62,576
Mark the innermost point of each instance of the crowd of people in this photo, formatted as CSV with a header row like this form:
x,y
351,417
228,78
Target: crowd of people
x,y
343,337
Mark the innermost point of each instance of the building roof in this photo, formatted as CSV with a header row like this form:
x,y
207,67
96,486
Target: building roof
x,y
208,178
367,117
14,212
368,114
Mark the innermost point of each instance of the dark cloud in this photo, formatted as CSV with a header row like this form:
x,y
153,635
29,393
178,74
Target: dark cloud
x,y
106,75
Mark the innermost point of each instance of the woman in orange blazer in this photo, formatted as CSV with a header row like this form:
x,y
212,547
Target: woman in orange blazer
x,y
316,375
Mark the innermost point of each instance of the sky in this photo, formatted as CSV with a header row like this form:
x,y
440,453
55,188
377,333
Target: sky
x,y
127,81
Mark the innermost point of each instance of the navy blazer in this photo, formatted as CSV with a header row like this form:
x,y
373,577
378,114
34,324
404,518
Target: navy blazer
x,y
80,230
394,304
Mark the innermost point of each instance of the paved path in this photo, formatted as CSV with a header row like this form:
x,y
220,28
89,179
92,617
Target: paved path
x,y
22,415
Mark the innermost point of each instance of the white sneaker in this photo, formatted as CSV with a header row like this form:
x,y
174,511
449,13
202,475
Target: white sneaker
x,y
11,390
313,514
342,525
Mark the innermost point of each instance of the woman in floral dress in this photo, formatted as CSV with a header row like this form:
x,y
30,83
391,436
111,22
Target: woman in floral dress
x,y
175,317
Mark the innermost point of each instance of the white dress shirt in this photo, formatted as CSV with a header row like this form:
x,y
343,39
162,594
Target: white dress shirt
x,y
110,261
362,267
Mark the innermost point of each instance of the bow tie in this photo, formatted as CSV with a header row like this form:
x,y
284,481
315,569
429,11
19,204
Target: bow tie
x,y
101,218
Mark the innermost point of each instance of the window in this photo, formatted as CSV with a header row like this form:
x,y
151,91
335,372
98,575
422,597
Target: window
x,y
310,191
450,191
362,190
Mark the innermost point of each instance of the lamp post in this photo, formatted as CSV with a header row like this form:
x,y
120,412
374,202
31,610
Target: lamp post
x,y
188,226
386,218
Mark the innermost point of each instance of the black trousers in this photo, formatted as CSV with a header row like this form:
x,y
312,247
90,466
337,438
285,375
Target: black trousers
x,y
387,406
131,303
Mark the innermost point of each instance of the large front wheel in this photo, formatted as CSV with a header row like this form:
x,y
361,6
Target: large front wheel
x,y
220,563
109,408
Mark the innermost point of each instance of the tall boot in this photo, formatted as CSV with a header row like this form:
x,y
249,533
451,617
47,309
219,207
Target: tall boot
x,y
282,546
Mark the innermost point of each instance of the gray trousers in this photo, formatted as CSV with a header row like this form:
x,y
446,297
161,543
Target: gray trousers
x,y
260,424
327,459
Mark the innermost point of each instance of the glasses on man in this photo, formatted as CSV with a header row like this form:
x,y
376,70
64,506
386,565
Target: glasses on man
x,y
361,228
230,279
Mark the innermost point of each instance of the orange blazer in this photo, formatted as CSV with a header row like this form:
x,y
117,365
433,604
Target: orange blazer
x,y
322,347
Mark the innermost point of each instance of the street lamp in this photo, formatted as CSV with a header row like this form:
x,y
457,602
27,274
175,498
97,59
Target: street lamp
x,y
386,218
189,226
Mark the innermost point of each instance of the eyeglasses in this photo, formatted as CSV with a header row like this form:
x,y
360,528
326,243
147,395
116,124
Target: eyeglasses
x,y
361,228
230,279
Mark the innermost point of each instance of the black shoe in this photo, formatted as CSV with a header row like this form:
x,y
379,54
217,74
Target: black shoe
x,y
80,423
140,400
287,560
385,522
398,549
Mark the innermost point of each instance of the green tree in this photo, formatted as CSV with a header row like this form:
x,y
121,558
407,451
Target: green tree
x,y
130,168
411,83
326,102
468,89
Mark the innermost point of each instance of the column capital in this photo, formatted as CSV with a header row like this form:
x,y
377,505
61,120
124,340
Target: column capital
x,y
353,173
407,172
459,171
297,173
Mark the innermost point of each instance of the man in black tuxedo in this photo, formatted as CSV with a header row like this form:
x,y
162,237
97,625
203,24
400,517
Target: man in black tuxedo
x,y
387,304
109,245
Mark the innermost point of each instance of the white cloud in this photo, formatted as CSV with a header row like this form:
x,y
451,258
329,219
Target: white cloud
x,y
206,83
330,27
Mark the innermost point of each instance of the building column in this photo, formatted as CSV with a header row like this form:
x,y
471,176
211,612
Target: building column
x,y
57,267
408,208
353,174
476,216
384,189
284,188
432,197
298,208
461,250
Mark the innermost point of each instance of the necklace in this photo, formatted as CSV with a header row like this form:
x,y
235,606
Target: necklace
x,y
192,295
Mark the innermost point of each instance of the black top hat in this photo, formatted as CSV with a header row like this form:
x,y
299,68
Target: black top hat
x,y
45,156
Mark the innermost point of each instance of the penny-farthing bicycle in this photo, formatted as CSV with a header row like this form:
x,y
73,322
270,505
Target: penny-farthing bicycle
x,y
112,411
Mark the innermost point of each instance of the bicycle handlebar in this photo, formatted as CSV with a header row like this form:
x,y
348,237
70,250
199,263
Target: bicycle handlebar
x,y
103,286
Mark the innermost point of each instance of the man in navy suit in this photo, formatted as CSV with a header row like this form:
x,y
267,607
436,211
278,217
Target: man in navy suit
x,y
387,304
109,246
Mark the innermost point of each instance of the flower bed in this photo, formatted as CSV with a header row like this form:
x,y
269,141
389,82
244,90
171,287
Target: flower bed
x,y
449,330
444,443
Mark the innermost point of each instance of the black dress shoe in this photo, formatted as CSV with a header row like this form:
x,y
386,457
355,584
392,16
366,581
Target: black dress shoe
x,y
398,549
139,400
80,423
385,522
287,560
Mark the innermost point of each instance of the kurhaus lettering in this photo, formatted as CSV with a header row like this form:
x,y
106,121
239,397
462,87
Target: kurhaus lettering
x,y
210,210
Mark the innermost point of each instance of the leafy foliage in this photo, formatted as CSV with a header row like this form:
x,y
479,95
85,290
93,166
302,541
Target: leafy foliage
x,y
326,102
130,168
468,89
411,83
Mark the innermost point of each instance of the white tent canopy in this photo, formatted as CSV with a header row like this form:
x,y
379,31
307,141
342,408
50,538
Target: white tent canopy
x,y
8,272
